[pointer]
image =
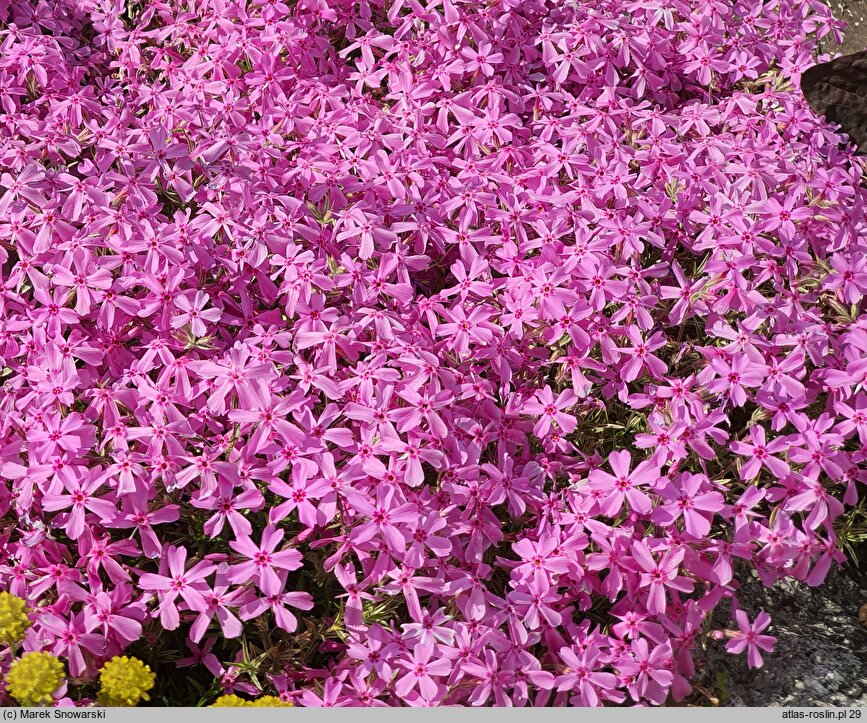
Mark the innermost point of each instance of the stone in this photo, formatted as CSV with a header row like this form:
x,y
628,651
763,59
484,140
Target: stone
x,y
821,653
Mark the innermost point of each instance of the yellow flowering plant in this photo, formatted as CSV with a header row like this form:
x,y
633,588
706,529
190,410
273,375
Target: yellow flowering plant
x,y
34,678
125,681
14,620
270,701
234,701
230,701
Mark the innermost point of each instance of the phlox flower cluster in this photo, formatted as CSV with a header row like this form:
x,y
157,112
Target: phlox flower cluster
x,y
420,352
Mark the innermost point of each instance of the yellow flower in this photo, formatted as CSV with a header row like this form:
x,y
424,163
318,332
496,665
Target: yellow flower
x,y
230,701
13,618
33,678
234,701
124,682
270,701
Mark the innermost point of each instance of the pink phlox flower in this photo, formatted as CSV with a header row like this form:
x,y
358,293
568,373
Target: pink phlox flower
x,y
72,641
227,506
278,603
194,313
624,484
236,377
582,675
549,411
735,377
114,615
761,454
751,639
421,669
134,513
649,669
263,560
79,498
215,602
202,656
354,595
656,576
641,355
179,582
300,495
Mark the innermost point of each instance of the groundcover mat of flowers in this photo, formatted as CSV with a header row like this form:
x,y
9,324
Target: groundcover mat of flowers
x,y
416,353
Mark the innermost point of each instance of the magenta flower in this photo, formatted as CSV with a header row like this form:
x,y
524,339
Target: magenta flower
x,y
750,638
202,656
278,604
582,675
495,683
238,376
354,595
79,500
463,328
761,454
263,560
848,278
300,496
735,377
780,217
70,434
482,59
641,355
541,558
24,187
420,669
108,613
690,500
490,314
659,575
179,582
623,484
226,506
194,313
361,225
72,641
214,603
142,520
649,669
549,410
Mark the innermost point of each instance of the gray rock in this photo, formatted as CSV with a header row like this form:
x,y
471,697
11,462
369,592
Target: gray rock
x,y
854,12
821,654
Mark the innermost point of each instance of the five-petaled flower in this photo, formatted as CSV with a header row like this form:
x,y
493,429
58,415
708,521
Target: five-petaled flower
x,y
750,637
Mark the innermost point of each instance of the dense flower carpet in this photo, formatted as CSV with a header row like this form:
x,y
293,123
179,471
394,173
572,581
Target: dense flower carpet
x,y
417,352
